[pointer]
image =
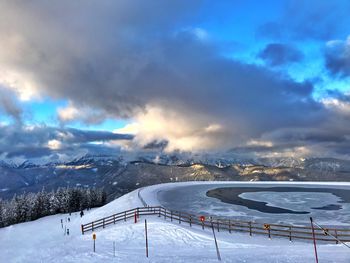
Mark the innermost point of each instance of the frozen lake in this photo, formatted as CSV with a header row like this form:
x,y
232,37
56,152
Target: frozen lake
x,y
274,203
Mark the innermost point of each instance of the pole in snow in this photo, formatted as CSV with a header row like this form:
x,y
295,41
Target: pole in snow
x,y
216,243
314,238
146,238
94,238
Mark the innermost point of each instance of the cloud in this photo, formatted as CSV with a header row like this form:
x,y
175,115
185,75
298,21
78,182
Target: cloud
x,y
9,105
87,115
43,143
54,144
337,57
175,85
277,54
146,62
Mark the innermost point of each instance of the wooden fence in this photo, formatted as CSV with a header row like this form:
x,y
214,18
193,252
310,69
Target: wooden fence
x,y
253,228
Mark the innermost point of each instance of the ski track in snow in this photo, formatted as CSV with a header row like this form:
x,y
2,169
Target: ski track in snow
x,y
43,240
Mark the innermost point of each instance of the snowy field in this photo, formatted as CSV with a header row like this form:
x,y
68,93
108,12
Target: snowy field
x,y
43,240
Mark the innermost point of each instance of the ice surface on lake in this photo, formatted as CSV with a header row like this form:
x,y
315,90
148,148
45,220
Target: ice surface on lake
x,y
297,201
193,199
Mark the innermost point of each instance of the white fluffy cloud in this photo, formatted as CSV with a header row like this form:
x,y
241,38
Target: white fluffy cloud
x,y
54,144
84,114
187,133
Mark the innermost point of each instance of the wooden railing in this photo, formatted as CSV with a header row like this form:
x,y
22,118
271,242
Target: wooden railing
x,y
253,228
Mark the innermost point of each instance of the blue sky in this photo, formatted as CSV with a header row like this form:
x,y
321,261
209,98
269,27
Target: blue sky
x,y
241,76
45,111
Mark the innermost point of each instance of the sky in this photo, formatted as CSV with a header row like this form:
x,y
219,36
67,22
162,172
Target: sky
x,y
250,78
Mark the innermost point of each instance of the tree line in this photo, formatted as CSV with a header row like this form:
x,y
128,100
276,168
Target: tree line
x,y
31,206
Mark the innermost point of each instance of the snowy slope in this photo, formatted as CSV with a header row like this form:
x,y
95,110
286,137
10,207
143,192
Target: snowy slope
x,y
44,241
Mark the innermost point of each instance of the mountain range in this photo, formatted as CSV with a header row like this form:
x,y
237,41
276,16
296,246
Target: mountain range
x,y
119,175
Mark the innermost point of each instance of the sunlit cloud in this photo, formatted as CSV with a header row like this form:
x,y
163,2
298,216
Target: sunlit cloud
x,y
54,144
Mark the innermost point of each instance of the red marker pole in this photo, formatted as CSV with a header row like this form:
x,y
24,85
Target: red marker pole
x,y
314,238
135,216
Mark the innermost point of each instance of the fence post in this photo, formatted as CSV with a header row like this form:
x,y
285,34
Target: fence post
x,y
203,224
164,213
190,221
92,226
290,233
179,218
114,218
125,216
171,216
216,243
146,238
314,238
138,213
250,228
336,236
82,229
269,233
217,222
159,212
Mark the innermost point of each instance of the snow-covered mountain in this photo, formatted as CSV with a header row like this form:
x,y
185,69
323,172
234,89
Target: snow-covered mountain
x,y
120,174
176,158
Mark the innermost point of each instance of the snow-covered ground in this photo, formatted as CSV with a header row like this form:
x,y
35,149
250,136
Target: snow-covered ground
x,y
43,240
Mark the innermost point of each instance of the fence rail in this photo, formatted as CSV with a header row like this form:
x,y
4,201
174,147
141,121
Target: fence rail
x,y
253,228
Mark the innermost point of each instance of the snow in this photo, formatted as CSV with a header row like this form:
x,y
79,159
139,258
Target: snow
x,y
43,240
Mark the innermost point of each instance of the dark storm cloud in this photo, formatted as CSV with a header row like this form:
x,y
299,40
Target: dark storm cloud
x,y
88,52
277,54
337,58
